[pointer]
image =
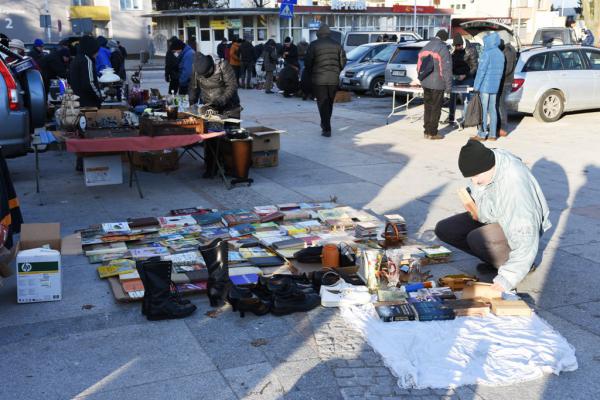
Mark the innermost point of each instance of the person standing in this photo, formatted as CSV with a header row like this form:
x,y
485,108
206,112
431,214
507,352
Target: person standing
x,y
510,62
290,52
302,49
54,66
171,67
269,56
221,48
588,40
325,59
185,61
464,68
103,57
234,57
487,82
123,50
116,59
435,56
37,52
82,73
247,61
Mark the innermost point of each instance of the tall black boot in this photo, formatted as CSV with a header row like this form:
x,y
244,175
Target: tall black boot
x,y
161,304
139,265
215,257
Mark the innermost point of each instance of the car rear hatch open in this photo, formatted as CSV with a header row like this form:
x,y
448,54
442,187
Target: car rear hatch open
x,y
478,28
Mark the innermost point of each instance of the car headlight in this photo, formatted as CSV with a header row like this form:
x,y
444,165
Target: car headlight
x,y
360,74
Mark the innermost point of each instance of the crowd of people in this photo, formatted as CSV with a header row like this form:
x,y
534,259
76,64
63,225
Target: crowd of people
x,y
490,75
78,62
308,71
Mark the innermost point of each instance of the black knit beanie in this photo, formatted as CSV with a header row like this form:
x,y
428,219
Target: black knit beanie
x,y
442,34
475,158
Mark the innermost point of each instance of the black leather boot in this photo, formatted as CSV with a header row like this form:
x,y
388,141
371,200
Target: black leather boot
x,y
161,304
289,298
215,256
244,299
139,265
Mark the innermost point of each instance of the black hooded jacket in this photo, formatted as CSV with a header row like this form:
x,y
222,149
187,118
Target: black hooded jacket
x,y
83,77
325,58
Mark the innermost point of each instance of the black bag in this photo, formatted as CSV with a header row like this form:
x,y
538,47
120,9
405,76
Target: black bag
x,y
426,67
473,115
309,255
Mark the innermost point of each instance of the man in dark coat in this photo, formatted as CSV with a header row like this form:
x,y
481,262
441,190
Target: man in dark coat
x,y
37,52
510,62
290,51
269,56
172,67
464,68
123,50
83,79
116,59
55,65
217,85
288,80
325,59
247,60
221,48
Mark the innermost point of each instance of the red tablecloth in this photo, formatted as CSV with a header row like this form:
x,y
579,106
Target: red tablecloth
x,y
137,143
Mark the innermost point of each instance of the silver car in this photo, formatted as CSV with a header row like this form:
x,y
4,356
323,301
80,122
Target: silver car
x,y
369,75
550,81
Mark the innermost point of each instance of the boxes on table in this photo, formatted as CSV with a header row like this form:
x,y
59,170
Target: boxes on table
x,y
156,161
39,272
103,170
265,146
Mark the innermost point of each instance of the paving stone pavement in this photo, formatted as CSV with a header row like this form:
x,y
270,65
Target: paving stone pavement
x,y
88,346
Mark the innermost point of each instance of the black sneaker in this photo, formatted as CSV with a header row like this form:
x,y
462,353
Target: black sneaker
x,y
326,133
294,300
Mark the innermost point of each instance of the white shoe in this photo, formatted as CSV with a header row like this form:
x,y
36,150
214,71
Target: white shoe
x,y
344,294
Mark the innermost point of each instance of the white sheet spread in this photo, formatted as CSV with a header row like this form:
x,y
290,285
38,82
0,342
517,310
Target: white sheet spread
x,y
490,351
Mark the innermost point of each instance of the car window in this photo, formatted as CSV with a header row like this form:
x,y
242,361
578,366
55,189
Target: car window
x,y
385,54
536,63
356,39
357,53
554,63
571,60
594,58
405,55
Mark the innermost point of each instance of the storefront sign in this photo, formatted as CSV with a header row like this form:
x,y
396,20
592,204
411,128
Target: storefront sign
x,y
218,24
314,25
411,9
348,4
189,23
234,23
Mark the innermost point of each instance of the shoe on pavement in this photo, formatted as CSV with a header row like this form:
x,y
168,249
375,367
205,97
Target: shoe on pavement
x,y
502,133
436,137
478,138
492,139
326,133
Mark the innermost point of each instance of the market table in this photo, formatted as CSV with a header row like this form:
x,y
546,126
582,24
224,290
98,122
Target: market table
x,y
139,143
417,92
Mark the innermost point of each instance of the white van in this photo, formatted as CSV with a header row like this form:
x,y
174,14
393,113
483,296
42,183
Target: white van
x,y
356,38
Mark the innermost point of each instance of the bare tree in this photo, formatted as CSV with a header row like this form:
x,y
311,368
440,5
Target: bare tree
x,y
261,3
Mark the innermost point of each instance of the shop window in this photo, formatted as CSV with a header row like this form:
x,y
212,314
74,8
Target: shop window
x,y
204,22
219,34
82,3
232,34
261,21
249,34
248,22
262,34
131,5
297,21
205,35
297,35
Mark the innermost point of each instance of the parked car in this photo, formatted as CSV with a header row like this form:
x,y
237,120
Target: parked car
x,y
22,104
554,36
402,66
476,30
368,76
550,81
364,53
352,40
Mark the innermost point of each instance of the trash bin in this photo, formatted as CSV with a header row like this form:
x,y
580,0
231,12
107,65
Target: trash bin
x,y
236,152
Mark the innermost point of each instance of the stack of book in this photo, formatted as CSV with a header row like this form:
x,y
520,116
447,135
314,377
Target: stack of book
x,y
366,230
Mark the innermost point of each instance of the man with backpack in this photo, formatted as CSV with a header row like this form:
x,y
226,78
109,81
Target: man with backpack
x,y
434,67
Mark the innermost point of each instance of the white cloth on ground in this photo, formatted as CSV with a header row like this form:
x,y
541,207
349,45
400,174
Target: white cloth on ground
x,y
491,351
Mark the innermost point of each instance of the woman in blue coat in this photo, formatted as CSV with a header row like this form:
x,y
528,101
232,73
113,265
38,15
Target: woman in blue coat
x,y
487,83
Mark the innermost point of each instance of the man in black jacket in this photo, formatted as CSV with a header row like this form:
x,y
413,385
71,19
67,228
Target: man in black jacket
x,y
247,60
325,59
290,51
510,62
221,48
55,65
83,79
172,67
217,85
464,68
37,52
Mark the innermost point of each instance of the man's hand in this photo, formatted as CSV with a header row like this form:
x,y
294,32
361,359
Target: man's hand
x,y
498,287
461,77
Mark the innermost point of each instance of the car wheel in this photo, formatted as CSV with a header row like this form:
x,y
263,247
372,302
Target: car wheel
x,y
376,87
550,106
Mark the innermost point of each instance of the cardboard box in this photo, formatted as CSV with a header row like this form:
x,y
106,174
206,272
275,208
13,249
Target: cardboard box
x,y
39,272
513,308
265,159
156,161
103,170
480,289
343,96
265,139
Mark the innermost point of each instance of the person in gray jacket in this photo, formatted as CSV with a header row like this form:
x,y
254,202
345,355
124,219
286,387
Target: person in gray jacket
x,y
269,65
436,82
512,214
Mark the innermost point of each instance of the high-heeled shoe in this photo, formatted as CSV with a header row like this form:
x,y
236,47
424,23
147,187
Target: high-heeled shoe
x,y
244,300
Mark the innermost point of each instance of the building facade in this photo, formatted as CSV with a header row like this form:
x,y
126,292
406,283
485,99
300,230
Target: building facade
x,y
119,19
208,26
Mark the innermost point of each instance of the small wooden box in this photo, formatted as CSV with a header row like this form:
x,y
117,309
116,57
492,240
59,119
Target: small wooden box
x,y
343,96
184,125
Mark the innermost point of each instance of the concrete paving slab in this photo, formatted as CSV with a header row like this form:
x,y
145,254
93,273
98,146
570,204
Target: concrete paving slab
x,y
254,380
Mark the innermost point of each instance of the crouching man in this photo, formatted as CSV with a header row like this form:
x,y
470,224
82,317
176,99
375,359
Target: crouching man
x,y
508,216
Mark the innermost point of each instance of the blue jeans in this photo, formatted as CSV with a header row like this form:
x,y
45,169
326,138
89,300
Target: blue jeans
x,y
488,106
